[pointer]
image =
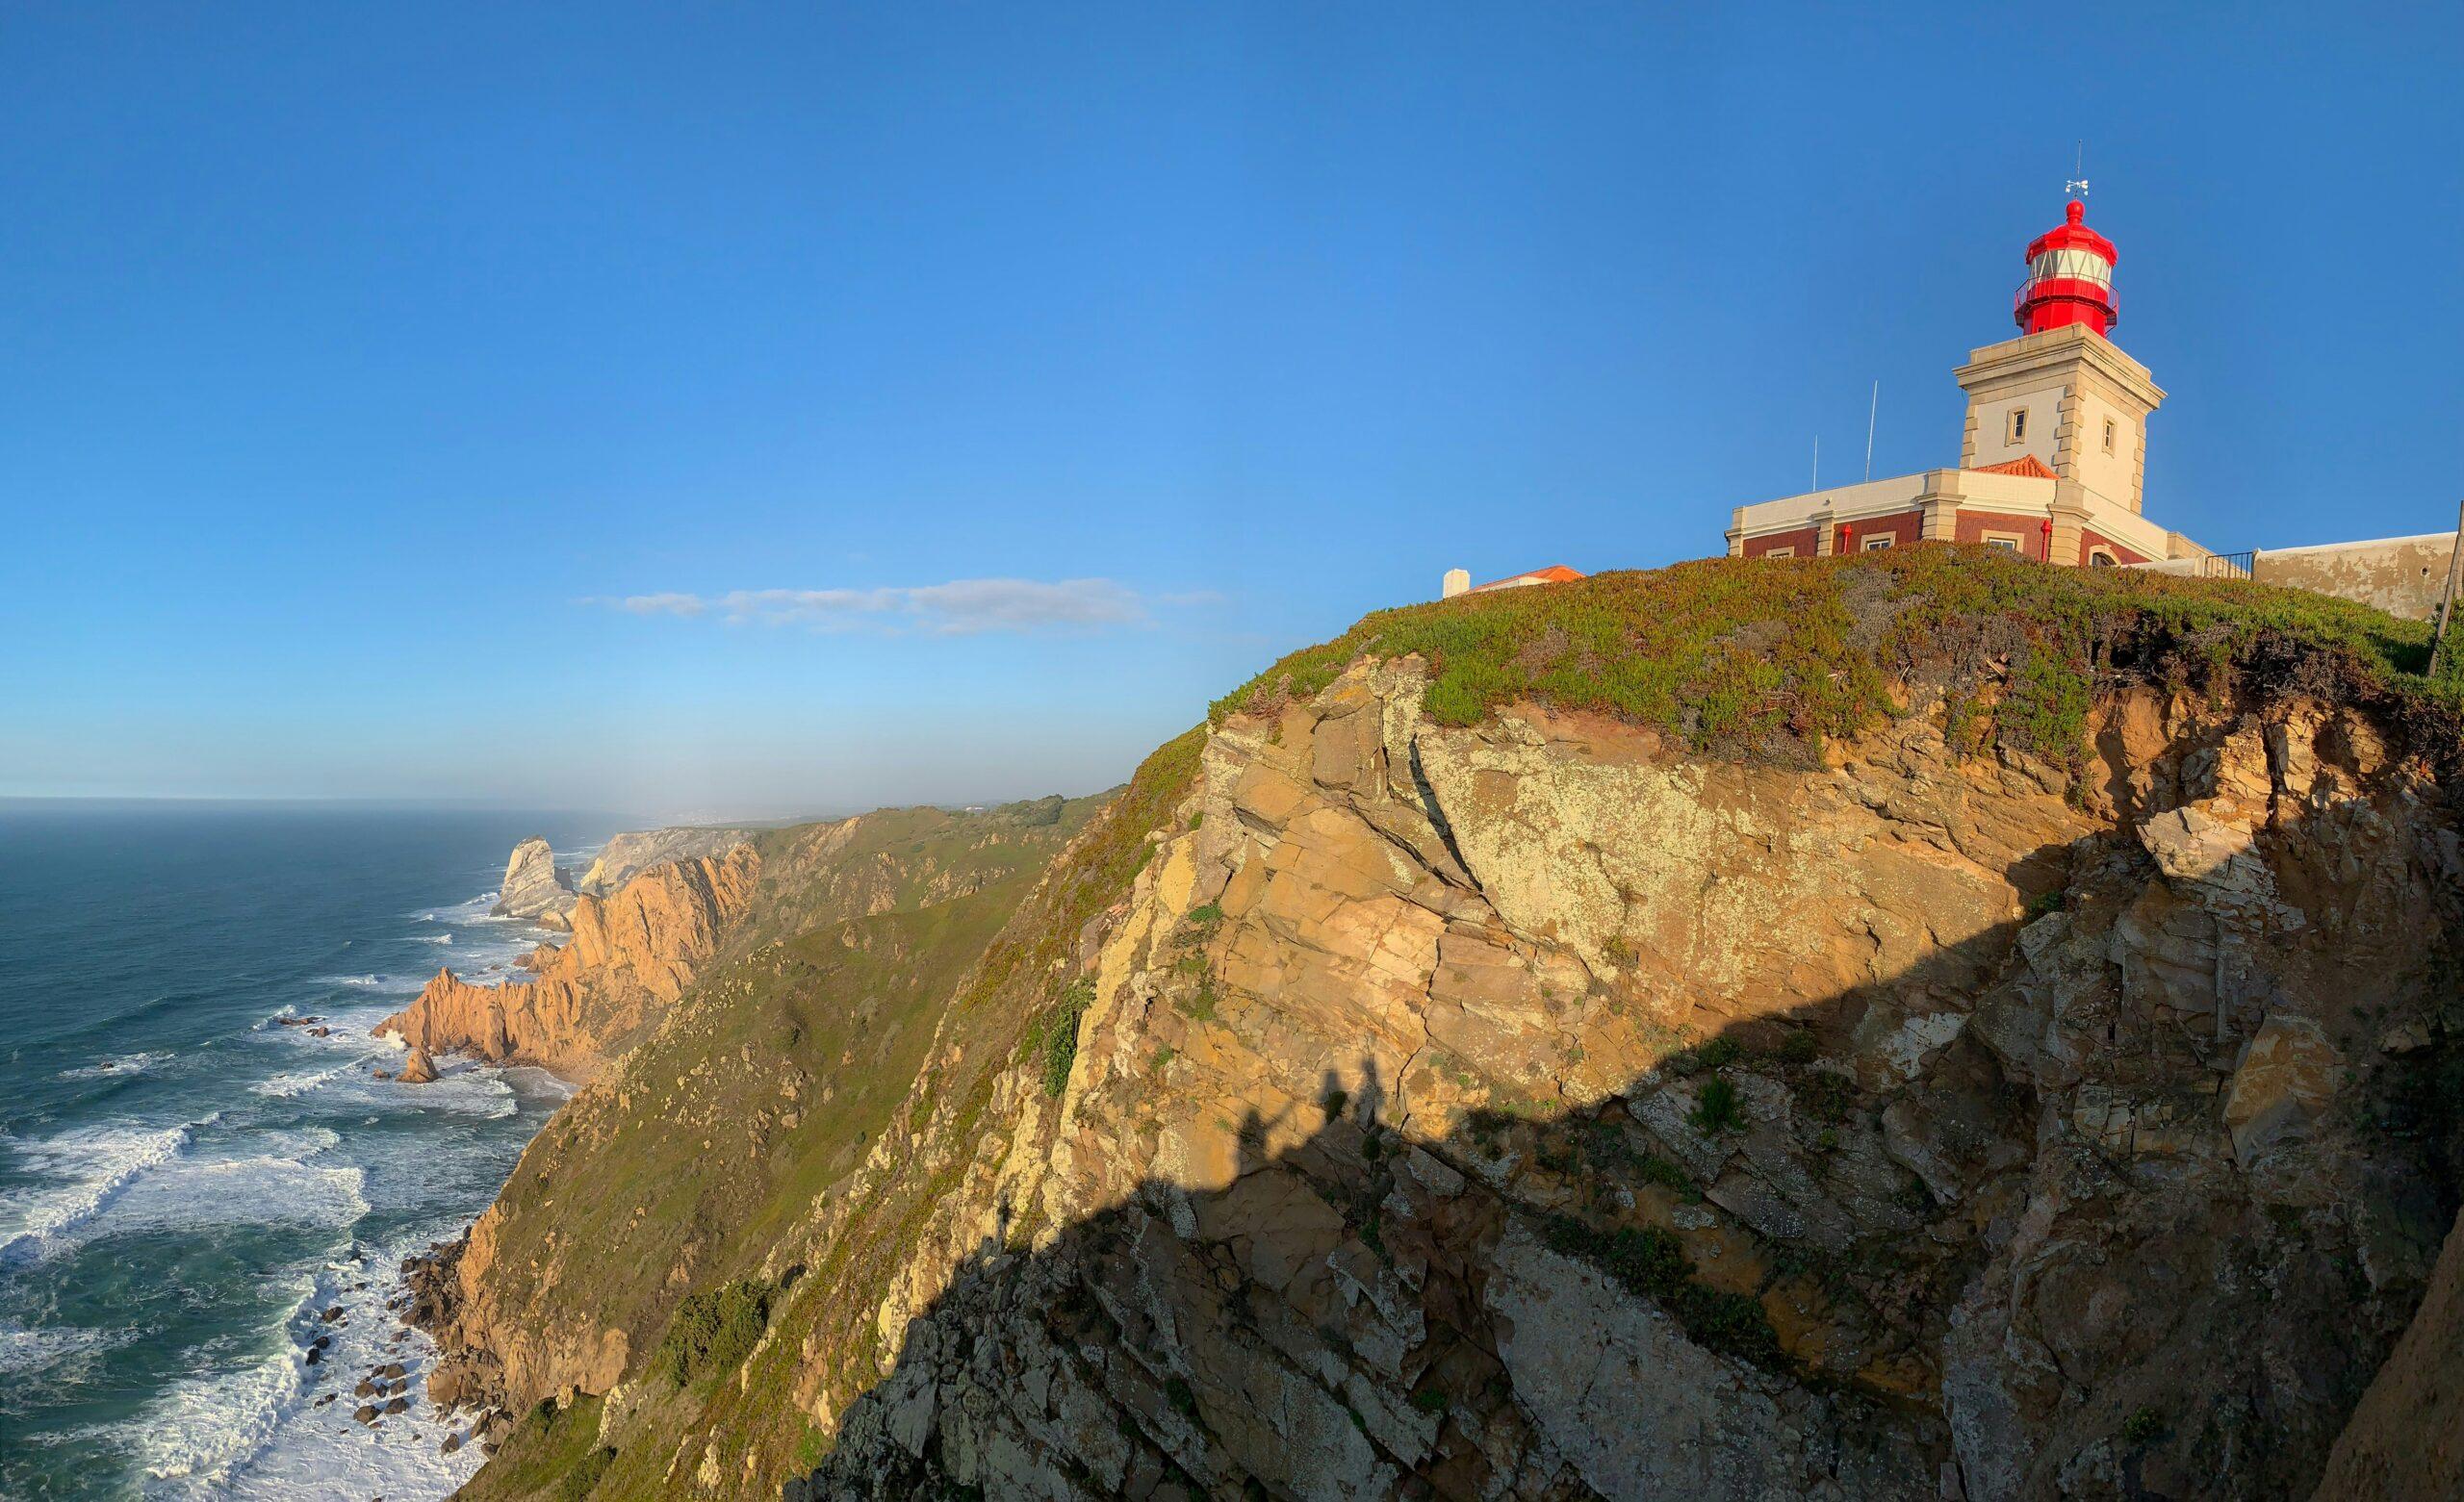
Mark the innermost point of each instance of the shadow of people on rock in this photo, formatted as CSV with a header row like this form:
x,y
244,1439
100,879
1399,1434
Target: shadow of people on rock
x,y
1752,1270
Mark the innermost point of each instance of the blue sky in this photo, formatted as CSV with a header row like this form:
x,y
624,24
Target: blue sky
x,y
356,362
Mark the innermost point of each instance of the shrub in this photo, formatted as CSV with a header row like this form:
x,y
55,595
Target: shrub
x,y
1653,1262
1199,1006
1430,1400
713,1330
1060,1043
1176,1391
2142,1425
1659,1170
1717,1109
1824,1095
1797,1048
1718,1053
1725,1321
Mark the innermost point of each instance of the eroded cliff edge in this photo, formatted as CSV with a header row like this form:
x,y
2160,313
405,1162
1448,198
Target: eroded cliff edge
x,y
1389,1094
630,957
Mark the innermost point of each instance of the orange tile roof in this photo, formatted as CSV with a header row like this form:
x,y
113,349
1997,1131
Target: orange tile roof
x,y
2028,465
1554,573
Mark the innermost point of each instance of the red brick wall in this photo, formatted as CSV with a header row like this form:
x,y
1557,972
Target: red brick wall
x,y
1973,525
1803,540
1907,528
2088,540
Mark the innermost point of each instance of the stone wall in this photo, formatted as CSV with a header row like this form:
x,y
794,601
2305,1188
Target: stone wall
x,y
2402,576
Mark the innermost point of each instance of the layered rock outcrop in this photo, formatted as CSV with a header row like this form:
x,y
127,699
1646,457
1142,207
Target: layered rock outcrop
x,y
636,851
630,957
532,887
1539,1109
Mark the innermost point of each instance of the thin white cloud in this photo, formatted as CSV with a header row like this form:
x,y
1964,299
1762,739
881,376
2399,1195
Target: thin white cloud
x,y
960,607
662,604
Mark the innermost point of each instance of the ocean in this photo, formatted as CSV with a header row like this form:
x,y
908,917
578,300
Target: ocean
x,y
187,1185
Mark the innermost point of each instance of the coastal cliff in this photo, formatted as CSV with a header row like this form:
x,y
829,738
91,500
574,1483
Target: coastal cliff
x,y
636,851
631,955
1907,1025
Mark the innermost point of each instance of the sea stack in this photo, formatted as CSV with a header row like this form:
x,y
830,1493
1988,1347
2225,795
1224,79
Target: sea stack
x,y
533,888
418,1069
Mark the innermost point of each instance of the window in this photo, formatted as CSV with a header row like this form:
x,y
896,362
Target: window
x,y
2008,542
1788,551
2018,425
2103,558
1875,544
2109,435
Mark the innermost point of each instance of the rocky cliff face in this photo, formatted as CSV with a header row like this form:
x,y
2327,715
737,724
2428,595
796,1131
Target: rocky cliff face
x,y
631,956
1540,1112
1400,1091
636,851
532,887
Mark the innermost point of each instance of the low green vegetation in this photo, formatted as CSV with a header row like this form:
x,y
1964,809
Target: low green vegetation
x,y
578,1483
1717,1109
2142,1425
713,1331
1650,1260
1053,1037
1761,659
545,1453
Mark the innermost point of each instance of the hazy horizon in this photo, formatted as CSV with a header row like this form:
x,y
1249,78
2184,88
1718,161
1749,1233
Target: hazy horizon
x,y
768,409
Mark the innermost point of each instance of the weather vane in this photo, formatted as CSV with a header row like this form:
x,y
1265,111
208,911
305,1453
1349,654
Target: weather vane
x,y
2078,184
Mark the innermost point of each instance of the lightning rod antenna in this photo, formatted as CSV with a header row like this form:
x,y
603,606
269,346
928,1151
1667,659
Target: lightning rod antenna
x,y
2078,181
1872,408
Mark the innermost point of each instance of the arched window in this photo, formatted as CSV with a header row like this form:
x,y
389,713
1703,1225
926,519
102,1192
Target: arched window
x,y
2103,558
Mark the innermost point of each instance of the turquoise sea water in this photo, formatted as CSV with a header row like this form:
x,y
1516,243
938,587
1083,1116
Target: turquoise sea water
x,y
185,1184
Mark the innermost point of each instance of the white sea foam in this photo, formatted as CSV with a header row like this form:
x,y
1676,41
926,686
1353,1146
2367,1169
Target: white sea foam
x,y
121,1064
300,1081
26,1353
99,1164
255,1430
431,938
250,1178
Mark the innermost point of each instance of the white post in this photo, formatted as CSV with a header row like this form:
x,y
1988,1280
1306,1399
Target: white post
x,y
2447,605
1458,581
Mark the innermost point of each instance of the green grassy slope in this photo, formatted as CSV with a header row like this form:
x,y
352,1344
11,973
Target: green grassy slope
x,y
769,1078
1747,658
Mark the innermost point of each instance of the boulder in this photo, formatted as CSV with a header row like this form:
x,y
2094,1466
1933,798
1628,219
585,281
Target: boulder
x,y
2286,1078
532,886
418,1069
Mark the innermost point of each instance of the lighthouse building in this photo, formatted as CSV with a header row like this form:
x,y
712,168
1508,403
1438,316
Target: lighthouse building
x,y
2053,455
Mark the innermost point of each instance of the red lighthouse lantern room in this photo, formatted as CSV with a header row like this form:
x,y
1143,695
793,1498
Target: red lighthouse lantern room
x,y
2071,279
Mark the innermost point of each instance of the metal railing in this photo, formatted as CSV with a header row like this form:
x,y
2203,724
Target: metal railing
x,y
2205,566
2103,292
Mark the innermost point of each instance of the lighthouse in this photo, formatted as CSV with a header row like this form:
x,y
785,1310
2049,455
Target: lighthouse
x,y
2062,393
2052,458
2071,279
